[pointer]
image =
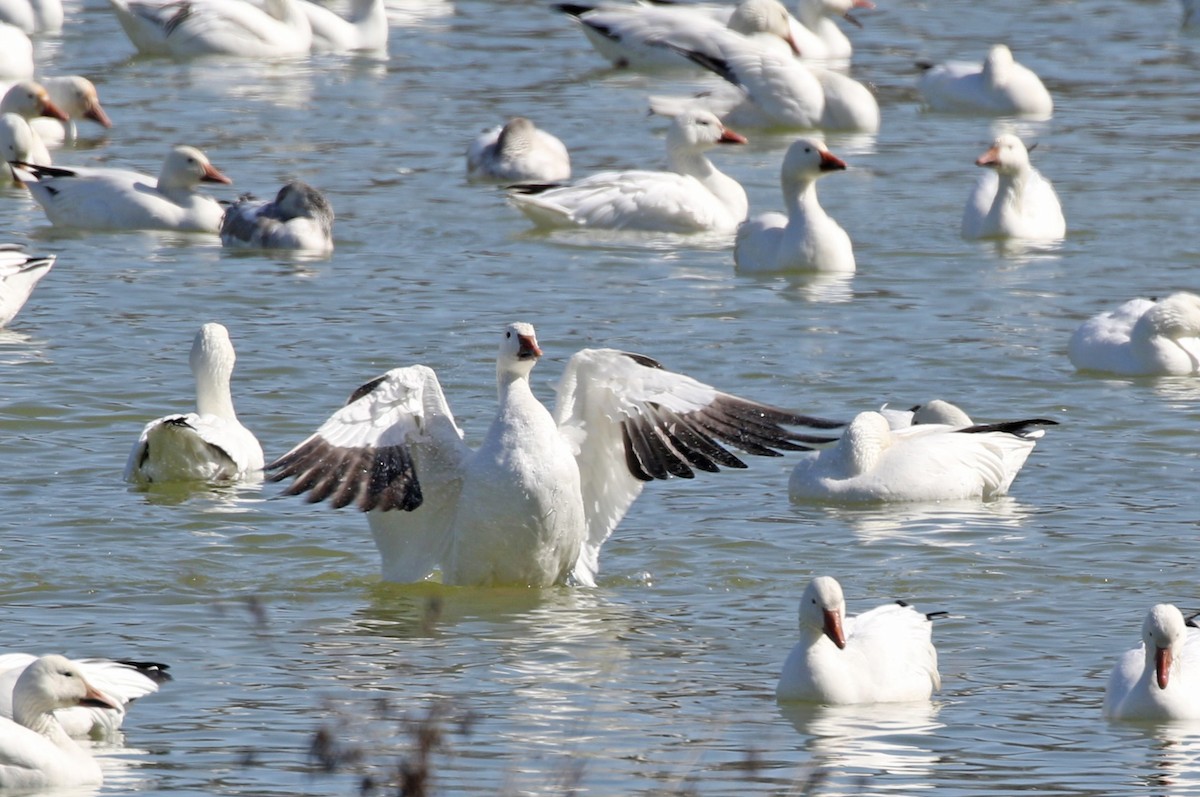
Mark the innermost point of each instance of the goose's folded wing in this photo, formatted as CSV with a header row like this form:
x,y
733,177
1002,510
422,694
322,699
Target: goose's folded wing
x,y
633,421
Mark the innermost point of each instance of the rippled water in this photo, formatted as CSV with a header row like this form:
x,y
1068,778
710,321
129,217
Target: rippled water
x,y
660,680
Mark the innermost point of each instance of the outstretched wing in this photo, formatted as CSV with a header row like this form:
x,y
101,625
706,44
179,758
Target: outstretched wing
x,y
632,421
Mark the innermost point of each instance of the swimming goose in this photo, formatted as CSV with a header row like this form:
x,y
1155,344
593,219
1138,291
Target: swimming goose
x,y
1160,679
33,16
121,682
300,217
19,273
535,502
631,36
30,100
1012,199
693,197
925,462
366,29
192,28
35,752
885,655
78,99
806,238
518,152
209,444
116,199
997,87
1142,337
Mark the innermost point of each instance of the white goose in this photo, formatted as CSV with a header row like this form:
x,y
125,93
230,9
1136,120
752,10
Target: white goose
x,y
19,273
885,655
925,462
366,29
16,53
536,501
632,36
35,752
121,682
17,145
935,411
1160,679
209,444
817,36
518,152
300,217
1141,338
33,16
997,87
116,199
693,197
30,100
1012,199
76,96
193,28
806,238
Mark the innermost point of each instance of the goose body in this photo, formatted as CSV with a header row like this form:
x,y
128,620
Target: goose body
x,y
192,28
518,152
1160,679
208,445
366,29
925,462
33,16
806,238
16,53
300,217
885,655
121,682
17,145
36,753
997,87
19,273
533,505
1141,338
1012,199
693,197
116,199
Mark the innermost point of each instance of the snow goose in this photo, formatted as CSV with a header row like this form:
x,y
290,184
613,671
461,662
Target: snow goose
x,y
17,144
33,16
631,36
31,100
78,99
121,682
535,502
300,217
885,655
518,152
1142,337
819,38
193,28
35,752
16,53
693,197
1160,679
998,87
366,29
935,411
19,273
116,199
925,462
209,444
806,239
1012,199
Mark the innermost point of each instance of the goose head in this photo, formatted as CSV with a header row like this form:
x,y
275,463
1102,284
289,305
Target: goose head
x,y
823,610
763,16
77,96
943,412
50,683
696,131
811,11
806,160
297,199
187,167
519,351
516,137
1176,316
30,100
1163,633
1007,155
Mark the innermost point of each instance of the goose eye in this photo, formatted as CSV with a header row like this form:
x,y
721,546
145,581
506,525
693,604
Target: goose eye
x,y
508,334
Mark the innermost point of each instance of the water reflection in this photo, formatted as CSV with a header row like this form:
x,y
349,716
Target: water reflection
x,y
939,524
1173,759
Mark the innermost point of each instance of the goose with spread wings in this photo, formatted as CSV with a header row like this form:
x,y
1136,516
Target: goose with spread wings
x,y
536,501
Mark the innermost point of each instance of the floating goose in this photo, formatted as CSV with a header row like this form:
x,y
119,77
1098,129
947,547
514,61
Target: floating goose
x,y
518,152
806,238
36,754
208,445
19,273
885,655
693,197
1012,199
1142,337
121,682
366,30
819,37
997,87
535,502
1160,679
300,218
192,28
31,100
116,199
926,462
33,16
78,99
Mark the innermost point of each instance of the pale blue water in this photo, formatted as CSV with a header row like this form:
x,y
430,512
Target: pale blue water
x,y
661,680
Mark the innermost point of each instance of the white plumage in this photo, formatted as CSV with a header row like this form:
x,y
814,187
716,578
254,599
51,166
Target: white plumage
x,y
1158,680
300,218
191,28
77,97
518,152
1142,337
1012,199
997,87
19,273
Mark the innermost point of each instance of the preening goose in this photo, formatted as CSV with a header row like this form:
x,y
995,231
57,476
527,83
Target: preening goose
x,y
1142,337
518,152
300,217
